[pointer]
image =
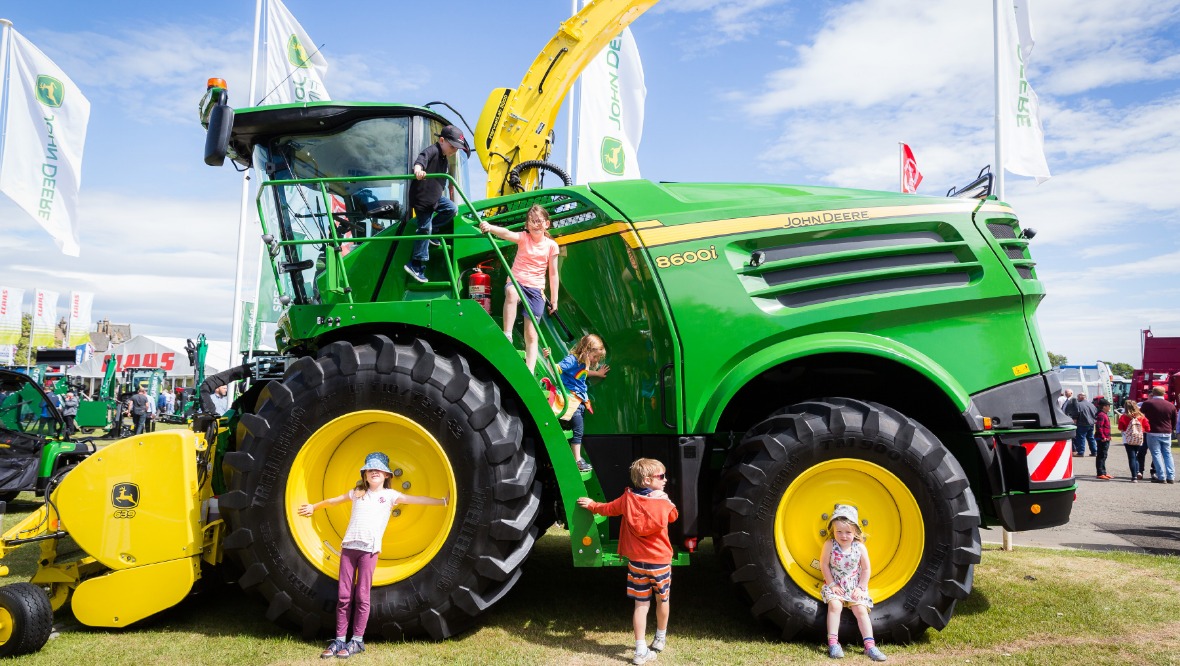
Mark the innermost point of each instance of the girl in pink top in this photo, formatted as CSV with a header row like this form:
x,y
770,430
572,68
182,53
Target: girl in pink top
x,y
536,254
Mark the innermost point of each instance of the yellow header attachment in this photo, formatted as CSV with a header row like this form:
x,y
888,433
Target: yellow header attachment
x,y
514,125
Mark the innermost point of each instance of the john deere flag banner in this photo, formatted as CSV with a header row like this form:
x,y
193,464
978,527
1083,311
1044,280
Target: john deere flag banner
x,y
610,113
44,318
1020,116
81,303
295,68
43,138
10,315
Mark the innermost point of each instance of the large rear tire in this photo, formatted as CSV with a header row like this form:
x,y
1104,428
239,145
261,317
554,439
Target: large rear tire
x,y
777,494
26,619
445,431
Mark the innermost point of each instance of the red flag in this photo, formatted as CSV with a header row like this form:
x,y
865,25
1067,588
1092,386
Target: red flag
x,y
910,176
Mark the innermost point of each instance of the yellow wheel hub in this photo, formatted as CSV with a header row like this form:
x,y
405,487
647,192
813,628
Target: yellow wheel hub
x,y
895,530
5,626
329,465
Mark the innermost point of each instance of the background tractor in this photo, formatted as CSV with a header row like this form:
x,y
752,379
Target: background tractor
x,y
781,349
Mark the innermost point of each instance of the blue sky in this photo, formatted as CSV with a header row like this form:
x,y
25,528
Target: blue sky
x,y
738,90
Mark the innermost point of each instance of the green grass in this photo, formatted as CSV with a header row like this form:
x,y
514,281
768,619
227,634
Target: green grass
x,y
1030,606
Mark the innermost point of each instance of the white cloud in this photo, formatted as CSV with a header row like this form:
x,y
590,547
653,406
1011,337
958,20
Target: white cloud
x,y
728,20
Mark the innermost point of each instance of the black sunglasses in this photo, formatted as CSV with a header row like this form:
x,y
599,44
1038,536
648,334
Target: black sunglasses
x,y
662,477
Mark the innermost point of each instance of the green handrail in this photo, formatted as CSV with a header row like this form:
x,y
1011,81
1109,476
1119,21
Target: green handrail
x,y
334,267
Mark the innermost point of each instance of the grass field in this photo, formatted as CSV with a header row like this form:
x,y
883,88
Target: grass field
x,y
1030,606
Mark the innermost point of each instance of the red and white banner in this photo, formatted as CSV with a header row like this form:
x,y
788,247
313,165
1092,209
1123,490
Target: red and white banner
x,y
81,303
910,176
1049,461
44,318
11,315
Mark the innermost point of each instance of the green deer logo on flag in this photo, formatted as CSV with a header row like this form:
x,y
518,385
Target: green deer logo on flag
x,y
296,53
612,156
50,91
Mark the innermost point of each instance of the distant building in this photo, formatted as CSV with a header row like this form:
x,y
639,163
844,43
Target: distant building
x,y
107,335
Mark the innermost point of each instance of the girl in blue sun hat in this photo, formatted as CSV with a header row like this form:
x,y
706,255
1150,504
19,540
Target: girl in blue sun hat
x,y
373,500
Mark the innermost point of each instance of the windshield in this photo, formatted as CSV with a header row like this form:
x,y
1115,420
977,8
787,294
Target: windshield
x,y
355,208
23,407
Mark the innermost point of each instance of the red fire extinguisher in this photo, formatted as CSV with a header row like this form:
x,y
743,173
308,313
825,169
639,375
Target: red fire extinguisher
x,y
479,287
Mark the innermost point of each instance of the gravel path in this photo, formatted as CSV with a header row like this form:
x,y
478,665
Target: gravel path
x,y
1114,514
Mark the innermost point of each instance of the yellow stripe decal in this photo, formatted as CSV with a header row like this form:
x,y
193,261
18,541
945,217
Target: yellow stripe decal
x,y
653,233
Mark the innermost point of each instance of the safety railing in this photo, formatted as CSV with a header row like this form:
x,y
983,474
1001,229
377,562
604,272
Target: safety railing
x,y
336,277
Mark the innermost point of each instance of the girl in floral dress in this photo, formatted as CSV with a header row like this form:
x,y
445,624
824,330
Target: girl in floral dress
x,y
845,565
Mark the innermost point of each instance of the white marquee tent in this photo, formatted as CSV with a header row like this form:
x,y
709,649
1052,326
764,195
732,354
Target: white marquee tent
x,y
149,351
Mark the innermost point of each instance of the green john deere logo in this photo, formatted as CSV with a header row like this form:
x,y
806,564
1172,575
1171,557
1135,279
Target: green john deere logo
x,y
612,156
296,53
50,91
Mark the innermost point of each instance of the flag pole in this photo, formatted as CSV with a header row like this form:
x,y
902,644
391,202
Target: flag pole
x,y
999,170
900,167
236,325
569,153
5,41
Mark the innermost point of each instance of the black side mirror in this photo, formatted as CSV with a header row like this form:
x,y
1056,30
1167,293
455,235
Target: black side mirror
x,y
221,123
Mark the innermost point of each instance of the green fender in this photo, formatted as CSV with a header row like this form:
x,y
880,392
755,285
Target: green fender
x,y
825,343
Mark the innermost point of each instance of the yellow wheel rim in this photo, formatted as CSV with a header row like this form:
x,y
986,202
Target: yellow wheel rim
x,y
895,530
329,465
5,626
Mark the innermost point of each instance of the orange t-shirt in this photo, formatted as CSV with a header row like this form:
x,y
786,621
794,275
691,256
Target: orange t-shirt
x,y
643,536
532,259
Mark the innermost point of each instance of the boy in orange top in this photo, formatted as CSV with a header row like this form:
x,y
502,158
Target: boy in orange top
x,y
643,540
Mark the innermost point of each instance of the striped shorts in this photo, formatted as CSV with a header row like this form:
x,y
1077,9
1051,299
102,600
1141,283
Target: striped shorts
x,y
643,579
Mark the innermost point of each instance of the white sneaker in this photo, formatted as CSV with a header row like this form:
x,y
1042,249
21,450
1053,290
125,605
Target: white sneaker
x,y
643,657
659,644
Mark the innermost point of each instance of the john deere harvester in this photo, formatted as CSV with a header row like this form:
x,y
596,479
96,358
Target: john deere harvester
x,y
780,348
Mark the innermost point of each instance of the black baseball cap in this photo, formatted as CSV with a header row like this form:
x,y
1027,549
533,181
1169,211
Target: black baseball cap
x,y
454,137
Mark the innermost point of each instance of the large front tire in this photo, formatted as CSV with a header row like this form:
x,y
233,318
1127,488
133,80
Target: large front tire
x,y
777,495
445,431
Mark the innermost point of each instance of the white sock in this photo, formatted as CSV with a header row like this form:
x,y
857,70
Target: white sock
x,y
641,646
508,334
342,639
661,633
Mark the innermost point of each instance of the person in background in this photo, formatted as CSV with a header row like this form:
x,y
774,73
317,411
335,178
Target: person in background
x,y
69,411
221,399
140,406
1064,398
1084,413
1161,417
1133,424
1102,435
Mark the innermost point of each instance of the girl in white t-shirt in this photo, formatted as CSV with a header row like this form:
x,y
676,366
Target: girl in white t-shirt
x,y
536,255
372,503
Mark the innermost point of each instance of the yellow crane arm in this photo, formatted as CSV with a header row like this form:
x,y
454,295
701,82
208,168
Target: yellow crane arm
x,y
515,123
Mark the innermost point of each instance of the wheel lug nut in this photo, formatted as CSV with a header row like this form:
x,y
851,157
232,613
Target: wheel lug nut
x,y
397,472
405,485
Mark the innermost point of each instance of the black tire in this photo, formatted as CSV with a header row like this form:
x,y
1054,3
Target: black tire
x,y
779,450
497,497
30,615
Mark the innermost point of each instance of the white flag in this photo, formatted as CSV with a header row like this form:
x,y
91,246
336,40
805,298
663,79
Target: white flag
x,y
44,318
81,303
295,67
10,315
610,113
41,165
1020,119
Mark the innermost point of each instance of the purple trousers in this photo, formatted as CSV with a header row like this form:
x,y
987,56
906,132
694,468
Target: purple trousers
x,y
359,565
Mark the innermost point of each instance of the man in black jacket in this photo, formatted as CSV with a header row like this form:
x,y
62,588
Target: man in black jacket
x,y
433,210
